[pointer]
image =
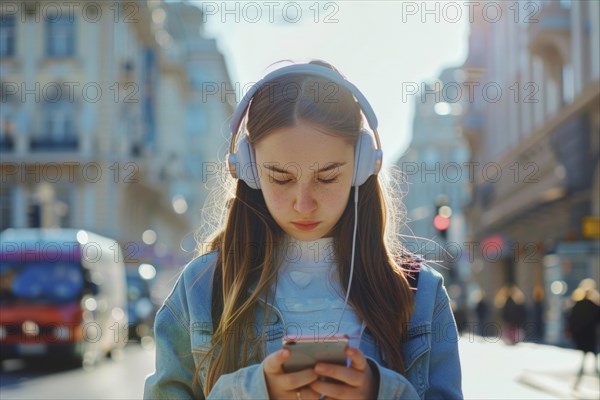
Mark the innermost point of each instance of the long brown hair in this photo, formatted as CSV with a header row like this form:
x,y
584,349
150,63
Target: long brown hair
x,y
247,244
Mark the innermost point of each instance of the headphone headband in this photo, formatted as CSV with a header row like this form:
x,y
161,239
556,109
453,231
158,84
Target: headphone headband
x,y
307,69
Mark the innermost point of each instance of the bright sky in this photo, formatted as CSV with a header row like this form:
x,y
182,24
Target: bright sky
x,y
380,46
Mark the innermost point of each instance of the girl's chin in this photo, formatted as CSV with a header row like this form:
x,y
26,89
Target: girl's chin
x,y
306,236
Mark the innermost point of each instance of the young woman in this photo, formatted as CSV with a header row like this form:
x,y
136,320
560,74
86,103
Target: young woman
x,y
308,247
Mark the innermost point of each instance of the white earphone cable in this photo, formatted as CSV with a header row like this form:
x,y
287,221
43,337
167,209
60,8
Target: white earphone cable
x,y
352,258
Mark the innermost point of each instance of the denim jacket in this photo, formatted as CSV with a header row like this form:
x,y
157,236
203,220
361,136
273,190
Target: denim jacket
x,y
183,330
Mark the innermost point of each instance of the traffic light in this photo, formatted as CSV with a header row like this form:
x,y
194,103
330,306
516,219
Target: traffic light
x,y
441,219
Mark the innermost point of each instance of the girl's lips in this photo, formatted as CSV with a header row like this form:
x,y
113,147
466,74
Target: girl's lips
x,y
306,227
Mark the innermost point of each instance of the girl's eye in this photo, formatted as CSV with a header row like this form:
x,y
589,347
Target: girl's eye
x,y
278,182
332,180
285,181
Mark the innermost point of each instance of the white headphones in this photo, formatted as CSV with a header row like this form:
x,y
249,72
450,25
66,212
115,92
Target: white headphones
x,y
367,155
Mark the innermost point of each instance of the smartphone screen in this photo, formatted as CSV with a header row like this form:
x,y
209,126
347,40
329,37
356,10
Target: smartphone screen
x,y
306,352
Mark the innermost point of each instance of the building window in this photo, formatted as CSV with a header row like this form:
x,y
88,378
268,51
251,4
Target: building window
x,y
568,83
60,38
62,207
58,132
7,126
5,207
539,78
59,121
565,4
7,35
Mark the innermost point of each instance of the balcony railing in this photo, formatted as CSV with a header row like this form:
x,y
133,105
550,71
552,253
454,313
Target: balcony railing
x,y
49,143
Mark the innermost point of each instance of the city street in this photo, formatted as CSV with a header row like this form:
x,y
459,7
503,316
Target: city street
x,y
491,370
133,134
109,379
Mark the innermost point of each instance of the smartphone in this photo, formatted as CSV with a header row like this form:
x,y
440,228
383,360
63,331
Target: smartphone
x,y
307,351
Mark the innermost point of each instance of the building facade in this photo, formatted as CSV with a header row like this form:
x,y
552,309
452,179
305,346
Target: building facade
x,y
94,121
433,167
534,136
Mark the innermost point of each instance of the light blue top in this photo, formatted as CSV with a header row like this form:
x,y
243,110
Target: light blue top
x,y
308,287
183,331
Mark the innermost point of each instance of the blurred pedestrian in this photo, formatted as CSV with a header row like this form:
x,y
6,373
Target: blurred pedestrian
x,y
482,310
301,251
583,320
538,314
460,315
511,301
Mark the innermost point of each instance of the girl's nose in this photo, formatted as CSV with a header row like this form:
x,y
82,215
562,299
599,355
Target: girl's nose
x,y
305,202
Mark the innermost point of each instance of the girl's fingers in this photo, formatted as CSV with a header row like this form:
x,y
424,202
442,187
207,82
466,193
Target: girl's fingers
x,y
273,364
352,376
295,380
359,362
306,393
349,376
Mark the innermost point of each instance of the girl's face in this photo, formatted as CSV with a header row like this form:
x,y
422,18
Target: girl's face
x,y
306,177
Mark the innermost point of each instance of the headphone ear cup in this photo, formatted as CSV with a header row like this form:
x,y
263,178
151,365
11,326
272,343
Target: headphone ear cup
x,y
244,164
366,158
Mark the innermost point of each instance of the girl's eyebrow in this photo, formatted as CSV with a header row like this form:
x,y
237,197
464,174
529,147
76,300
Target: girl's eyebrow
x,y
275,168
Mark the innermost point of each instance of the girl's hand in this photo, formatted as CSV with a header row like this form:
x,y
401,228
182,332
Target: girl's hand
x,y
282,385
356,382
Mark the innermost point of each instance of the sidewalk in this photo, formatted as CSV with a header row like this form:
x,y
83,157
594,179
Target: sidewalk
x,y
493,370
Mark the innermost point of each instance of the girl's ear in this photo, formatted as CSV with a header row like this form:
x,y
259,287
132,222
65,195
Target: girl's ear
x,y
367,158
